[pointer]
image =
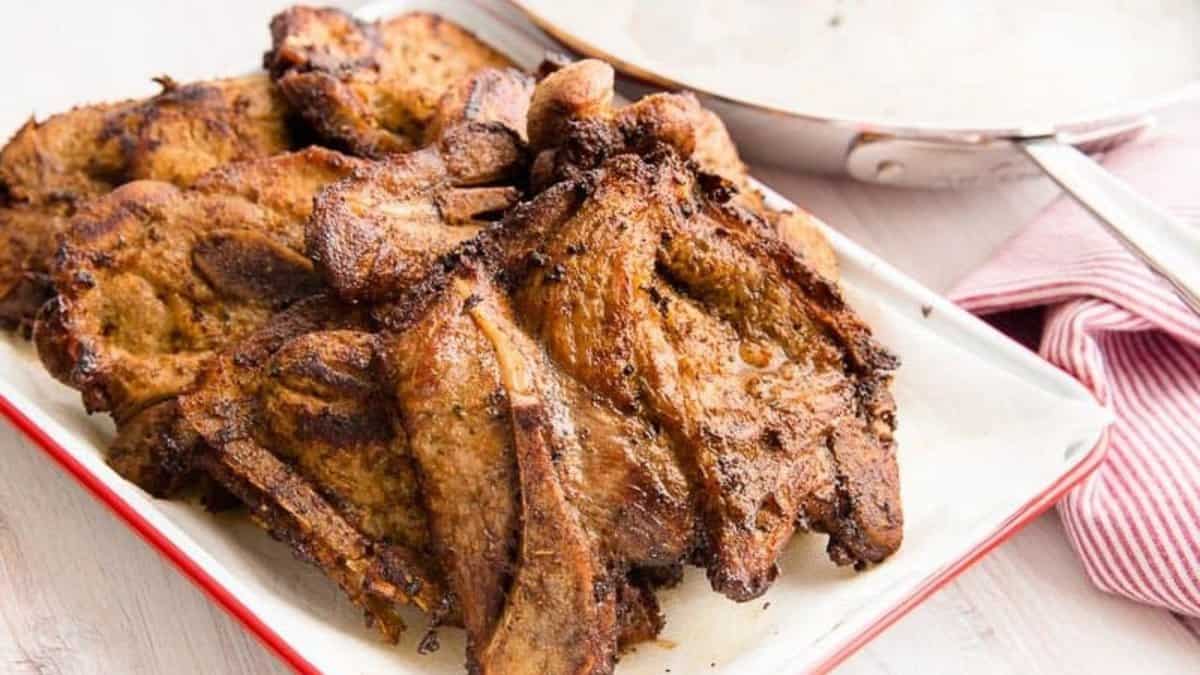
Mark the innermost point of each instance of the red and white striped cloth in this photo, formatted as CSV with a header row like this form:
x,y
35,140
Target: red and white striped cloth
x,y
1109,322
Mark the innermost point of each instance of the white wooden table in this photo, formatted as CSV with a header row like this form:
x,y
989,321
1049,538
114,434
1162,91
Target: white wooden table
x,y
79,593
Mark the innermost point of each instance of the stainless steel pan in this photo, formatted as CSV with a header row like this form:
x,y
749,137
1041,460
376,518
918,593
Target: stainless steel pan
x,y
1155,40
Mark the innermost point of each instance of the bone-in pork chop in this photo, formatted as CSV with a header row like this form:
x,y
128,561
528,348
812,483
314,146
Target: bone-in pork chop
x,y
372,88
154,280
51,169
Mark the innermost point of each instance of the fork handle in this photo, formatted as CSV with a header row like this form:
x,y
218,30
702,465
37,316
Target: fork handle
x,y
1165,244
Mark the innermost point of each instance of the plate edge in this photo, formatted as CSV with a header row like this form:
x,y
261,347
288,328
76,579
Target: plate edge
x,y
182,561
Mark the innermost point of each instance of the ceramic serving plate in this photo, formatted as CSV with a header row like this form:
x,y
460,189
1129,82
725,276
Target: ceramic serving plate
x,y
989,437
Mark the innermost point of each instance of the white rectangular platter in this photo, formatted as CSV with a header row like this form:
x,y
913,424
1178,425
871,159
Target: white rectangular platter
x,y
989,437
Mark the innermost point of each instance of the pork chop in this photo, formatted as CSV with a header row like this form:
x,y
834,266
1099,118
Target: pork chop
x,y
473,394
51,169
298,427
372,88
574,127
380,230
649,286
156,279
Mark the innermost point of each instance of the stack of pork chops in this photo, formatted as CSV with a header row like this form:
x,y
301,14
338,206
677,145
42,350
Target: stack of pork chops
x,y
465,339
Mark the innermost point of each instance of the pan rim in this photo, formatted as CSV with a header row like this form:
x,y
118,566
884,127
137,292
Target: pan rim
x,y
1121,116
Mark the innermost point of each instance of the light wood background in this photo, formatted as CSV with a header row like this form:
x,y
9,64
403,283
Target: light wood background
x,y
80,593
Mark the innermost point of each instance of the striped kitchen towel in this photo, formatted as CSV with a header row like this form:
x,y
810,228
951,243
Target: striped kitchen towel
x,y
1109,322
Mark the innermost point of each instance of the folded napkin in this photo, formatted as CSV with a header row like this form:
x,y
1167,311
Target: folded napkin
x,y
1121,331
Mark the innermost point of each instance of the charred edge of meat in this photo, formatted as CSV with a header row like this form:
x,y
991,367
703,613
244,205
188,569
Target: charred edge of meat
x,y
639,615
869,365
156,450
308,514
280,58
349,561
70,359
866,356
448,191
372,88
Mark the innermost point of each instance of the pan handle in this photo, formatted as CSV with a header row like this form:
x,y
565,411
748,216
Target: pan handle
x,y
1168,246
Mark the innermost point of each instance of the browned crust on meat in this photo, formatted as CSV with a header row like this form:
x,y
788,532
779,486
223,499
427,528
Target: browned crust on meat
x,y
574,127
294,430
490,95
49,170
371,88
156,449
155,279
865,525
638,614
188,129
454,409
382,229
560,616
699,244
268,198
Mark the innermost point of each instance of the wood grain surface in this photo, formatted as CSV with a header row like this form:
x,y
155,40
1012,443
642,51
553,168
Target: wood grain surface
x,y
80,593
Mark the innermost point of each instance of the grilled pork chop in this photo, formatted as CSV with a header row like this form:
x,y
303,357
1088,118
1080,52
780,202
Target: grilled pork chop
x,y
647,283
454,408
51,169
298,427
153,280
379,231
574,127
372,89
560,615
536,562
